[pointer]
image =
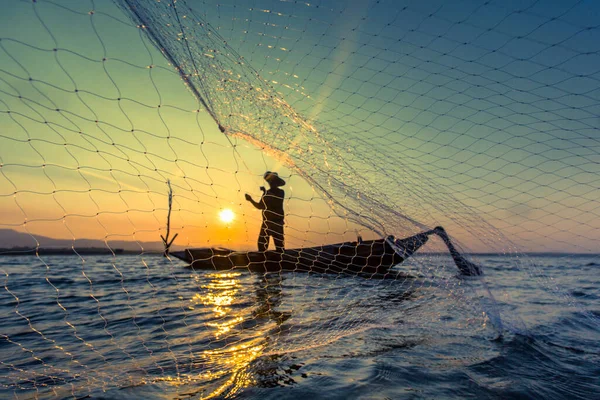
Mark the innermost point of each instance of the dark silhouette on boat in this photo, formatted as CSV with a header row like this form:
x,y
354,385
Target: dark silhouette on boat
x,y
364,258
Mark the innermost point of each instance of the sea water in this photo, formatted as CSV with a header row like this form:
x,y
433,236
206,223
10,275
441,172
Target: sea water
x,y
146,327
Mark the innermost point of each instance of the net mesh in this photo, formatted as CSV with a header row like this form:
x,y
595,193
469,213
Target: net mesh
x,y
384,118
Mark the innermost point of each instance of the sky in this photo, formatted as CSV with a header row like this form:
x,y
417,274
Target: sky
x,y
482,117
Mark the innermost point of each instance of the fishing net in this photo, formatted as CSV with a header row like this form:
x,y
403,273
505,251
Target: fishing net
x,y
130,121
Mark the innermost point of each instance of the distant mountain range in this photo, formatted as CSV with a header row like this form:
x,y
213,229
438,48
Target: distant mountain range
x,y
10,238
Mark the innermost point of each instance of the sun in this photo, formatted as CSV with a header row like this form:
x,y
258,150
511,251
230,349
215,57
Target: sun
x,y
226,215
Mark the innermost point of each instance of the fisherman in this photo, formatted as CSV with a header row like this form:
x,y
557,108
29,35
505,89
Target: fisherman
x,y
271,204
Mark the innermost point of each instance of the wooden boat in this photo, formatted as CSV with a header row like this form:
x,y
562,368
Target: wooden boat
x,y
369,257
373,258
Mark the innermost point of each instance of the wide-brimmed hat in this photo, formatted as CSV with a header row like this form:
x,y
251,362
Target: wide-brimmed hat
x,y
273,179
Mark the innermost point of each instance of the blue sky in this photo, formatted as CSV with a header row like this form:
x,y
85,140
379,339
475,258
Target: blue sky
x,y
474,115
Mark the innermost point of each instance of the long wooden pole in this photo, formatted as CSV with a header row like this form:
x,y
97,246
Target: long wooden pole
x,y
165,238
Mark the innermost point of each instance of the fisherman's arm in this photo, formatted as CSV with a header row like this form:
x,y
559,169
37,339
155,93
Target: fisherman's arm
x,y
258,204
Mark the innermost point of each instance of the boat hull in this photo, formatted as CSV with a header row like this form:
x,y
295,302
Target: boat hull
x,y
356,258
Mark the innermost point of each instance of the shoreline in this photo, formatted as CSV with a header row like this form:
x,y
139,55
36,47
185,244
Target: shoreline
x,y
24,251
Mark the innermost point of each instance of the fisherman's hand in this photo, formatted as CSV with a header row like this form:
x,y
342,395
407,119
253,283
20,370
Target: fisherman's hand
x,y
248,197
263,189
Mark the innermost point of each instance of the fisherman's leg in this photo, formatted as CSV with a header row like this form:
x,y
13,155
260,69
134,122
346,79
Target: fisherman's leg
x,y
278,237
263,237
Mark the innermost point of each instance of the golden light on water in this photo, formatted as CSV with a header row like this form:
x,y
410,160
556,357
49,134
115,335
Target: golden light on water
x,y
219,292
226,215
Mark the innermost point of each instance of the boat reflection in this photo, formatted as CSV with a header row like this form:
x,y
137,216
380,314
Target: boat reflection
x,y
268,298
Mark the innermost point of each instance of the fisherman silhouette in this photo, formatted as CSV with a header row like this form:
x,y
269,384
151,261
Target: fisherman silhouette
x,y
271,204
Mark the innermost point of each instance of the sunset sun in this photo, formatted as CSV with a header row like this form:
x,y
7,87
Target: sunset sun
x,y
226,215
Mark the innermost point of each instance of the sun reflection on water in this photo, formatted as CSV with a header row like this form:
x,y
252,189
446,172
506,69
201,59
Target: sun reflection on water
x,y
222,365
220,293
